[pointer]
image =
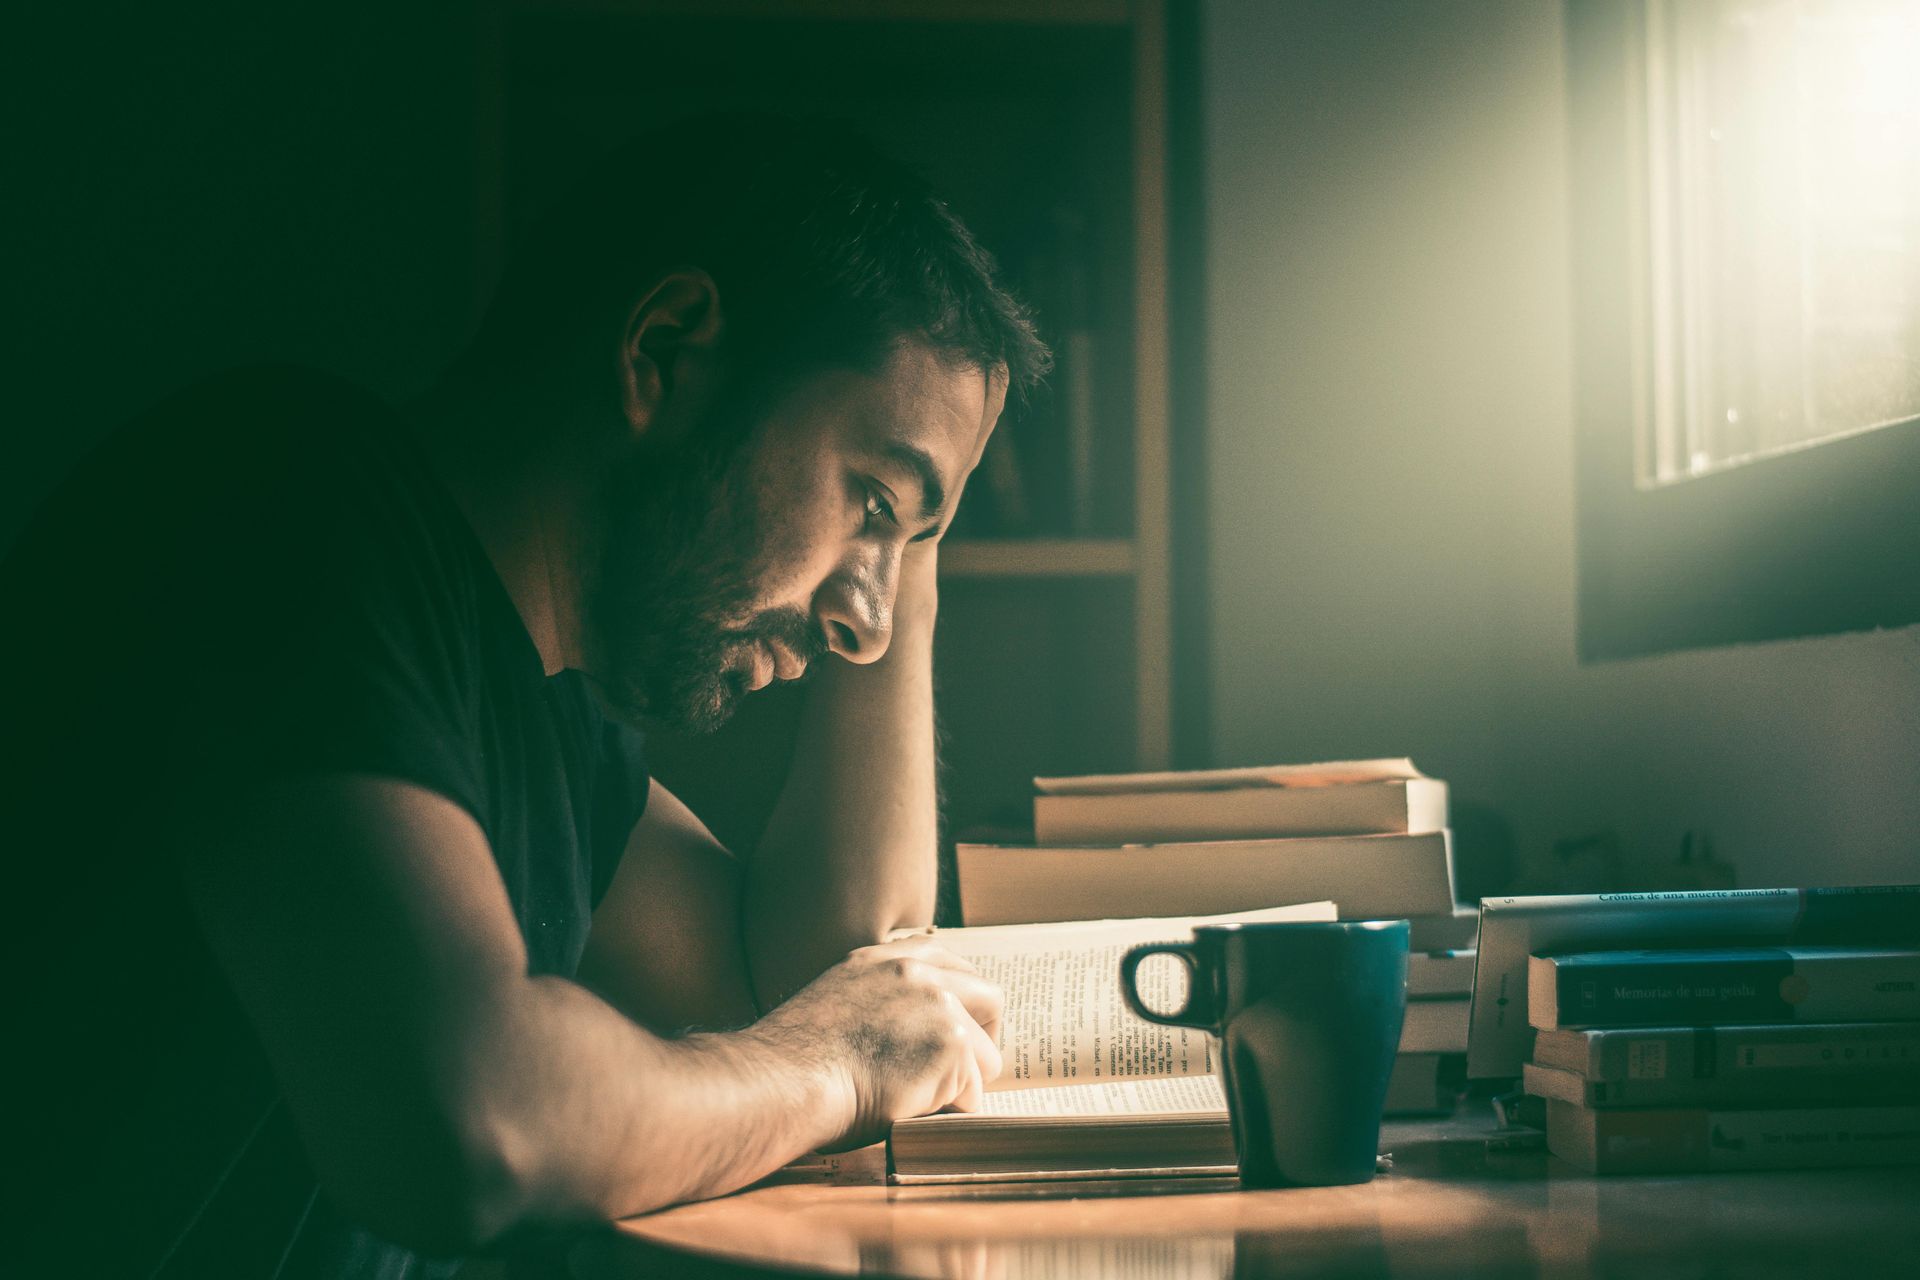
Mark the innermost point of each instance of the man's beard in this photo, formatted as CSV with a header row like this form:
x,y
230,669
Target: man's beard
x,y
670,609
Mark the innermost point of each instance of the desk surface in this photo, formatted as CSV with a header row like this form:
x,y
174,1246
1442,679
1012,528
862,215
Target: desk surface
x,y
1448,1207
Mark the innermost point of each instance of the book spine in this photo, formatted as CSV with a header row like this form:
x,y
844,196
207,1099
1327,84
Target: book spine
x,y
1779,987
1846,1049
1242,813
1380,877
1694,1141
1776,1089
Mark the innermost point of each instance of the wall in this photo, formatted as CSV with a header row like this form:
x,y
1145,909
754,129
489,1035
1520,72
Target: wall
x,y
1390,471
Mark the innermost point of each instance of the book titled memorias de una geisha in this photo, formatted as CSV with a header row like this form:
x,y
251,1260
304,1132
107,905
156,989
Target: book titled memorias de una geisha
x,y
1724,985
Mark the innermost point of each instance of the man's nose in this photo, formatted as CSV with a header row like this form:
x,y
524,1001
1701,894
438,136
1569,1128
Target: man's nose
x,y
856,611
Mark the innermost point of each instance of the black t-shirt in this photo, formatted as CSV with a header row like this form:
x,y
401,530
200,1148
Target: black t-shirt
x,y
261,579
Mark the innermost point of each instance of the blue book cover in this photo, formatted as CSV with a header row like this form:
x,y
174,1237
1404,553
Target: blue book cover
x,y
1724,985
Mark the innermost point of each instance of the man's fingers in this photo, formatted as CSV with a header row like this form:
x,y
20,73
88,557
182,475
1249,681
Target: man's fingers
x,y
986,1054
984,1002
927,951
980,1063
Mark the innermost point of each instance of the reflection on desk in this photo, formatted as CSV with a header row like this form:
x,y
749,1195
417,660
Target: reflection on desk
x,y
1449,1207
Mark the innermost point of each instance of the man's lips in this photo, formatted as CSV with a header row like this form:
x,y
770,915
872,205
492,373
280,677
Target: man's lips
x,y
769,660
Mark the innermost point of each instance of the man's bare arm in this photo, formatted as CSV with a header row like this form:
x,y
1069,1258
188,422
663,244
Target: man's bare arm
x,y
849,854
666,947
446,1097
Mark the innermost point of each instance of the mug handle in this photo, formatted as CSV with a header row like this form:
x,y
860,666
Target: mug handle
x,y
1197,1012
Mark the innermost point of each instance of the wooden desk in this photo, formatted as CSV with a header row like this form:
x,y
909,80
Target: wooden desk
x,y
1449,1207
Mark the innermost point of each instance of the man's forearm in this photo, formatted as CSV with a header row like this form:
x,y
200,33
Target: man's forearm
x,y
850,852
583,1105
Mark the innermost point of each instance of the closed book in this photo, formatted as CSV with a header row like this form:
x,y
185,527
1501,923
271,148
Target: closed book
x,y
1367,877
1363,808
1848,1049
1724,985
1768,1089
1698,1140
1331,773
1440,975
1435,1026
1511,929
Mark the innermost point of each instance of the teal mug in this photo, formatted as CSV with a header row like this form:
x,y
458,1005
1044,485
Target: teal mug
x,y
1308,1015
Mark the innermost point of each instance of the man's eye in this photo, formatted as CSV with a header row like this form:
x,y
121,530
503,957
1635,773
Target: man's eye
x,y
877,510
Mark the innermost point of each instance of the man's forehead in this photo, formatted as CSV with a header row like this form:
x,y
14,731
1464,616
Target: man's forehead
x,y
923,402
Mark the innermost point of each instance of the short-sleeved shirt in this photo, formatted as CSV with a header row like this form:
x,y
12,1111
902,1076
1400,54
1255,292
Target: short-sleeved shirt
x,y
262,579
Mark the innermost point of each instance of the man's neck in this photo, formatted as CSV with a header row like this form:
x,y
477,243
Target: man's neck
x,y
526,497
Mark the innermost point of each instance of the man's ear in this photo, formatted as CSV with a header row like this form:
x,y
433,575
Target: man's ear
x,y
667,351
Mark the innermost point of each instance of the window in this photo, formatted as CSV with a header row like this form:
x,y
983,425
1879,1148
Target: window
x,y
1746,187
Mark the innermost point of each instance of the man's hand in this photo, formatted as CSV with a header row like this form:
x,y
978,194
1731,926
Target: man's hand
x,y
910,1027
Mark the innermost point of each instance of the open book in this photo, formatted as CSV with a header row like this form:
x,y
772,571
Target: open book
x,y
1089,1090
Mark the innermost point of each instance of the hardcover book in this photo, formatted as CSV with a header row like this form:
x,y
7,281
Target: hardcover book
x,y
1348,798
1696,1140
1723,985
1852,1049
1766,1089
1333,773
1367,877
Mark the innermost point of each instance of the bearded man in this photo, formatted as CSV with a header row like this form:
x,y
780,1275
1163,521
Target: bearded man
x,y
357,935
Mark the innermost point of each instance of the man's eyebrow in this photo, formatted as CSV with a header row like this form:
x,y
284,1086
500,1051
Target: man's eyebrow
x,y
933,493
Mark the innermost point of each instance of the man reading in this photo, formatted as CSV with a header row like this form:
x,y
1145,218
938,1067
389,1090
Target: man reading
x,y
354,934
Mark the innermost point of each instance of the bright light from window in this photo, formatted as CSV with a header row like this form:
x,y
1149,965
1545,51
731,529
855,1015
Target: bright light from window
x,y
1781,260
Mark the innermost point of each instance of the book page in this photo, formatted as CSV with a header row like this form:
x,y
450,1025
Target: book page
x,y
1066,1022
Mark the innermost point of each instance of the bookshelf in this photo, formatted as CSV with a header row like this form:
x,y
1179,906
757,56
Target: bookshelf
x,y
1044,121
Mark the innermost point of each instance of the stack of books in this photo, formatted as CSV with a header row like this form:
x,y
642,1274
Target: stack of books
x,y
1368,835
1679,1059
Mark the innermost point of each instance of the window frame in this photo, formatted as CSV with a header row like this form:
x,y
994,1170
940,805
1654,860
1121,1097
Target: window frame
x,y
1820,540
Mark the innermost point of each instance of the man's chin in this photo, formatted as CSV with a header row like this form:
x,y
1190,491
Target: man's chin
x,y
704,708
698,709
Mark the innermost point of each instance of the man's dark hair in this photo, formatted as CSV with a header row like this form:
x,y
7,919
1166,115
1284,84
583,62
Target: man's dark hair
x,y
826,254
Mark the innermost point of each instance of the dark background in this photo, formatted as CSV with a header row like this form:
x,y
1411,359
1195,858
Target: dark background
x,y
203,185
1382,409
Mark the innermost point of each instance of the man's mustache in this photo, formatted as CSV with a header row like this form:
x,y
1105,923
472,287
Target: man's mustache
x,y
794,630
